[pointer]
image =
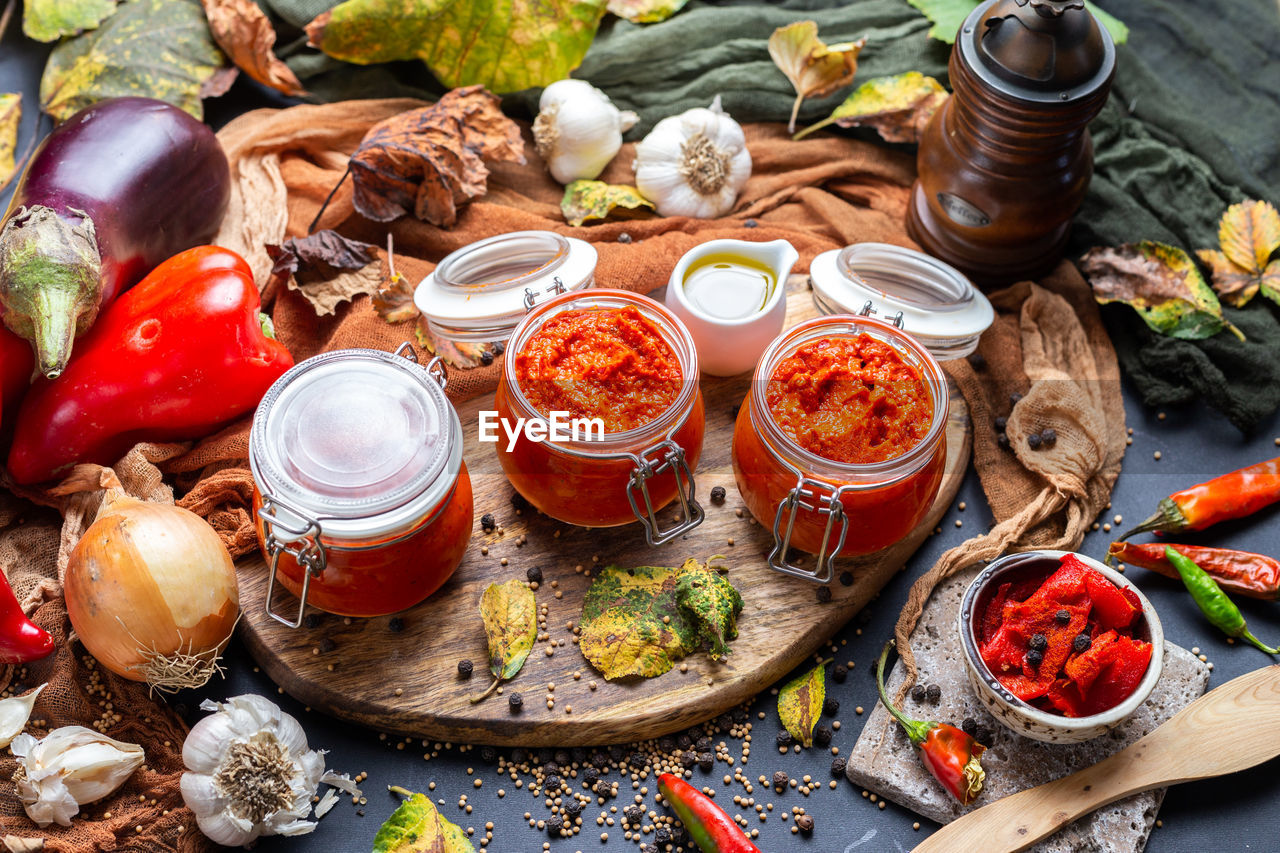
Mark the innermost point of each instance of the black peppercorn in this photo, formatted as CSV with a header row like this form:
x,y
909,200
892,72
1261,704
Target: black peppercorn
x,y
554,824
663,835
634,813
666,744
563,758
830,707
703,744
572,807
624,237
1038,642
978,361
486,357
1033,441
487,523
779,780
822,736
740,716
969,726
717,494
984,736
518,501
804,823
846,578
534,574
551,783
1049,436
488,753
1000,423
465,668
688,758
1035,658
1002,441
499,347
312,621
1014,398
824,594
515,700
327,645
395,625
706,761
637,760
551,768
590,775
784,738
917,693
838,764
602,788
839,673
1081,643
1062,617
724,722
616,753
599,759
519,756
684,741
933,693
750,223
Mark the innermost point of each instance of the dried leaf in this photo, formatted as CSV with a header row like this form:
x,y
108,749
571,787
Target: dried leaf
x,y
50,20
463,355
393,300
506,46
10,118
155,48
431,161
243,31
898,107
585,200
417,827
511,624
813,67
624,632
947,16
1249,233
645,11
712,603
1162,284
800,703
325,295
319,256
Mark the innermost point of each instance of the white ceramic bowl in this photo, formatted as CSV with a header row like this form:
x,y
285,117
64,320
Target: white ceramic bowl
x,y
1022,718
729,347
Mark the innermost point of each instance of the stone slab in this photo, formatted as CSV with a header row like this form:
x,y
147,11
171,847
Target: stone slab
x,y
884,762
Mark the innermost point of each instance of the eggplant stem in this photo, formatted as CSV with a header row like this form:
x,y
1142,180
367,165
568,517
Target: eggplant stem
x,y
312,227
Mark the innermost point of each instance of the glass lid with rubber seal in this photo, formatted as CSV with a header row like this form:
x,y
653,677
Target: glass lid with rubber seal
x,y
353,434
930,300
482,291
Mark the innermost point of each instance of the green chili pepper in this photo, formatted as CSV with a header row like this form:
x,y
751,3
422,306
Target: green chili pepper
x,y
1213,602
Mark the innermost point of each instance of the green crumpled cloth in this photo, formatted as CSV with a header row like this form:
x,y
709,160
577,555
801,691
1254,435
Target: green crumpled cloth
x,y
1192,126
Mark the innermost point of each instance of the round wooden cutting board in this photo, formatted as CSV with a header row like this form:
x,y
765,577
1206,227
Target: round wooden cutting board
x,y
406,681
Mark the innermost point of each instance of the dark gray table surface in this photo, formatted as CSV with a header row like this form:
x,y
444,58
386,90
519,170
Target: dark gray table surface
x,y
1237,813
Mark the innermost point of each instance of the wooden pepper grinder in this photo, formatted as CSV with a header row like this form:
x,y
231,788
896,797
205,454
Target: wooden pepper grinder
x,y
1004,165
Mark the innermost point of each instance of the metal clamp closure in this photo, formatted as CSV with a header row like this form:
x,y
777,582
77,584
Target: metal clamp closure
x,y
810,495
649,463
301,541
556,286
868,311
436,368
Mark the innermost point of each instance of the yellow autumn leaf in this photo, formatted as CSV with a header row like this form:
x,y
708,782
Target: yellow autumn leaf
x,y
511,624
418,827
585,199
800,703
1249,234
10,118
50,20
897,107
813,67
645,11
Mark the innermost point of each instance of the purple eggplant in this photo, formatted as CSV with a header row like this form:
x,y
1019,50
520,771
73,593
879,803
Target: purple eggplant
x,y
117,188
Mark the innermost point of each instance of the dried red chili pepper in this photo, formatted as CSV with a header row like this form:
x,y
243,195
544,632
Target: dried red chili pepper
x,y
1233,495
21,640
1254,575
707,824
951,755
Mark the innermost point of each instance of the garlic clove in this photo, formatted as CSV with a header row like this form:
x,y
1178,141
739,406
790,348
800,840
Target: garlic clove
x,y
202,751
14,713
578,130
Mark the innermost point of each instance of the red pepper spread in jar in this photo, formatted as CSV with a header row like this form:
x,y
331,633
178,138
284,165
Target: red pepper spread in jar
x,y
1065,645
611,364
850,399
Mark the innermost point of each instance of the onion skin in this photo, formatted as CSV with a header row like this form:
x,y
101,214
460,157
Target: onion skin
x,y
147,579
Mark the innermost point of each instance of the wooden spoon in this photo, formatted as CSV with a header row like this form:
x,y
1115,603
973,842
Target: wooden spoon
x,y
1232,728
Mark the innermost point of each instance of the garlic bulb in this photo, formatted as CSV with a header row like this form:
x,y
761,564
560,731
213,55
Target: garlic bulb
x,y
694,164
14,713
251,772
578,129
68,768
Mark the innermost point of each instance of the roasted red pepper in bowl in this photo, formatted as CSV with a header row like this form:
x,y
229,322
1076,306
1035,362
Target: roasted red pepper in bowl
x,y
179,355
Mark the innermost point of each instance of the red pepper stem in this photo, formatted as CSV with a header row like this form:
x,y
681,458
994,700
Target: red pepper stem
x,y
917,730
1167,519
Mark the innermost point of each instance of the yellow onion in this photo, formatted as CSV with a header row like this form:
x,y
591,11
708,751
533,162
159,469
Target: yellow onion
x,y
151,592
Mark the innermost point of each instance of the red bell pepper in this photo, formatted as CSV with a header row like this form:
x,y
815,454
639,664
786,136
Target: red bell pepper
x,y
707,824
950,754
179,355
17,364
21,640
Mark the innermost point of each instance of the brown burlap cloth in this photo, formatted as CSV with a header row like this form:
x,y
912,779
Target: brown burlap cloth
x,y
822,193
